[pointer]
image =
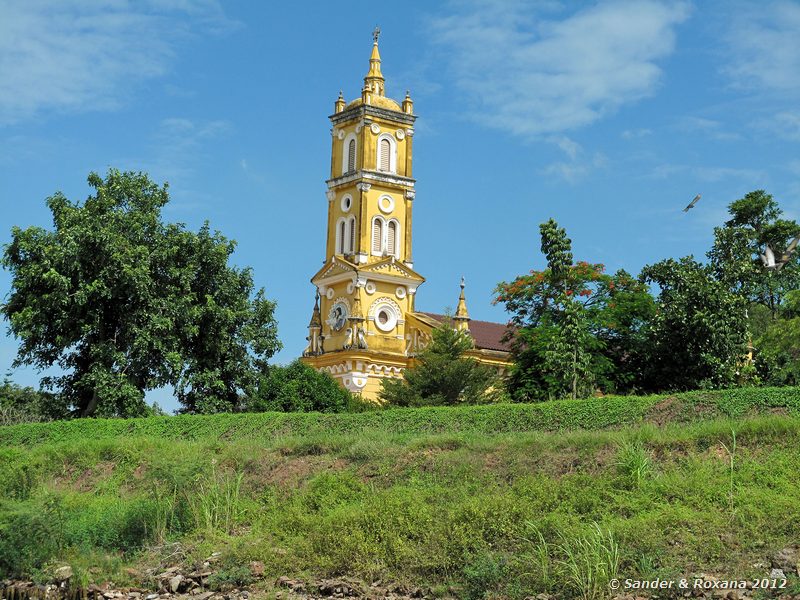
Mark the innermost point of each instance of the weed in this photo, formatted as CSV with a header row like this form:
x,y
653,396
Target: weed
x,y
541,551
225,580
634,462
731,458
215,504
590,562
484,575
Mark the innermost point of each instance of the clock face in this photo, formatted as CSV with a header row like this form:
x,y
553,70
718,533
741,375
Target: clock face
x,y
337,317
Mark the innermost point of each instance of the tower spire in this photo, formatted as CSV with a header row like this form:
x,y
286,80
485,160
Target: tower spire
x,y
374,82
461,317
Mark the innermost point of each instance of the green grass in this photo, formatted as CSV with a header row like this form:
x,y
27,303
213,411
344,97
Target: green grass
x,y
592,413
463,497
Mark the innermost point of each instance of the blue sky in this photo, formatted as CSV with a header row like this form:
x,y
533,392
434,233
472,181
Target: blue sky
x,y
608,116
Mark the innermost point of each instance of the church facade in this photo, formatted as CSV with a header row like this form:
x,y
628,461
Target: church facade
x,y
364,325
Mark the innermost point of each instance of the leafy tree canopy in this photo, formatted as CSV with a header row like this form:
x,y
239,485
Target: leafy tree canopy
x,y
297,387
574,325
736,256
124,303
443,375
698,335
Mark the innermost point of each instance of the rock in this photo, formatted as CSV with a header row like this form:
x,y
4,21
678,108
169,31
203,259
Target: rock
x,y
62,573
175,583
257,569
204,596
151,597
787,559
777,574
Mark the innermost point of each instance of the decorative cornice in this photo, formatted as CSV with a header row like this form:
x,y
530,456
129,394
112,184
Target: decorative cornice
x,y
363,110
388,178
363,187
378,176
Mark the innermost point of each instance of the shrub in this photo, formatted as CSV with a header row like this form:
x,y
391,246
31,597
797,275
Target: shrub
x,y
298,388
443,375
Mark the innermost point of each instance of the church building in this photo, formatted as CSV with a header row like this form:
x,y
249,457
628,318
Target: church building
x,y
365,325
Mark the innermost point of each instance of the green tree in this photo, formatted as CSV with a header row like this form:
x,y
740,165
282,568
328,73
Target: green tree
x,y
756,224
778,347
19,404
442,374
124,303
297,387
574,326
698,336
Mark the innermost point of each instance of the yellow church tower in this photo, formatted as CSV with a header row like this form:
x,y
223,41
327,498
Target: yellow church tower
x,y
364,326
366,287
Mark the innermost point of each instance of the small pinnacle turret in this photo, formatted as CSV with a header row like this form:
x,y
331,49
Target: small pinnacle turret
x,y
461,317
374,82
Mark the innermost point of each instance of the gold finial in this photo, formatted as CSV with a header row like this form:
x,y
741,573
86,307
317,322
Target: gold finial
x,y
338,106
462,315
408,103
373,82
316,319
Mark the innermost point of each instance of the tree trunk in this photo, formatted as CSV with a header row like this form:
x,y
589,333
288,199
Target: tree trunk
x,y
91,407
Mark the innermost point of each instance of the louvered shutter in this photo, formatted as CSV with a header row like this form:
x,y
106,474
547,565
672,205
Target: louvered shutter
x,y
385,155
391,237
377,236
351,156
341,239
352,247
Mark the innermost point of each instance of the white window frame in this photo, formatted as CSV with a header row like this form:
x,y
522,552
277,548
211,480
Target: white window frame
x,y
372,250
346,154
339,240
384,248
350,231
393,153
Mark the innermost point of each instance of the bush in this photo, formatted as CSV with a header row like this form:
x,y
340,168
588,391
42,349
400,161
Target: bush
x,y
298,388
20,404
443,375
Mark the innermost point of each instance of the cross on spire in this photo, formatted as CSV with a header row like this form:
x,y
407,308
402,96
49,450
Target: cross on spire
x,y
375,33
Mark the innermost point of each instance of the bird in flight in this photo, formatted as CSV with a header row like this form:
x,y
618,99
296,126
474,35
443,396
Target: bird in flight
x,y
692,203
768,258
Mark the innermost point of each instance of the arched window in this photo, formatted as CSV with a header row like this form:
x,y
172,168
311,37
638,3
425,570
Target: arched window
x,y
351,156
391,238
351,238
340,236
385,153
377,236
349,152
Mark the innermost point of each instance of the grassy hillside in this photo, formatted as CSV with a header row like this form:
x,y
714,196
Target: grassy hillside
x,y
507,500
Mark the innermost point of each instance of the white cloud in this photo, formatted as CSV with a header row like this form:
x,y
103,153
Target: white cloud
x,y
709,128
763,47
176,149
576,169
79,55
786,124
709,174
529,73
633,134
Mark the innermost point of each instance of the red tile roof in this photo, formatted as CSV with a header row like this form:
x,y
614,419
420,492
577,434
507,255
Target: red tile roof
x,y
487,335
